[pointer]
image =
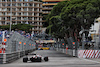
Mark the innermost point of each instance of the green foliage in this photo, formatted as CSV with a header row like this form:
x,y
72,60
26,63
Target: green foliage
x,y
24,27
45,24
54,16
70,16
5,27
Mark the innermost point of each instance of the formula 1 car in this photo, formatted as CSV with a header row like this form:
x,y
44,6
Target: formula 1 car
x,y
35,58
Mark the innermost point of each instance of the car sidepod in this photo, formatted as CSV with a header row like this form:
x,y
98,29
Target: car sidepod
x,y
32,59
39,59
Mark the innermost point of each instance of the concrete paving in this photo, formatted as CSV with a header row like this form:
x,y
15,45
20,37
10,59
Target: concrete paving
x,y
56,59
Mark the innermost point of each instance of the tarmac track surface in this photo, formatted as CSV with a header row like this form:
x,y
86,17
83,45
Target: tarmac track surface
x,y
56,59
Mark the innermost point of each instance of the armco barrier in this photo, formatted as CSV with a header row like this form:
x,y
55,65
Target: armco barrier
x,y
1,58
10,57
68,51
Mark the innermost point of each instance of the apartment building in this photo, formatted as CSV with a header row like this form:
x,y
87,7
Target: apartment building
x,y
48,5
21,11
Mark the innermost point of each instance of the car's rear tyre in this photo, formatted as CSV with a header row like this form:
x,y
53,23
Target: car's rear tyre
x,y
46,58
25,59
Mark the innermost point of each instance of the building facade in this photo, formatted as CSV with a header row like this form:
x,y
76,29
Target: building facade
x,y
48,5
21,11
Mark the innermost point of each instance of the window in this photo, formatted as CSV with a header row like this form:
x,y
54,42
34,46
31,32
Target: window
x,y
30,4
30,18
19,13
26,0
3,13
8,9
35,14
35,18
25,4
13,4
3,0
25,9
0,9
35,9
9,13
8,18
20,0
19,18
19,4
4,9
3,18
18,22
25,14
8,4
14,13
3,22
19,9
3,4
30,0
13,9
30,9
8,0
25,18
13,0
30,14
40,14
13,22
35,5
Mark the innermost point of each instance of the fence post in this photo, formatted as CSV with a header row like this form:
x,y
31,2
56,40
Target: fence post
x,y
4,58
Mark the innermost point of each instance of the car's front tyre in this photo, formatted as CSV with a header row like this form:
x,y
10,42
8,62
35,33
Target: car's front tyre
x,y
25,59
46,59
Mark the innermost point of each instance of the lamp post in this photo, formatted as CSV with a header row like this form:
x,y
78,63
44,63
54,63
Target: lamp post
x,y
10,17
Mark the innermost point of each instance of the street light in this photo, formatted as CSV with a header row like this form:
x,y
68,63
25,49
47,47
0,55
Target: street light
x,y
10,16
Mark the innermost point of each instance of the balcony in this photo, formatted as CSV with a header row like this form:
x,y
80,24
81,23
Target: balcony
x,y
47,8
46,12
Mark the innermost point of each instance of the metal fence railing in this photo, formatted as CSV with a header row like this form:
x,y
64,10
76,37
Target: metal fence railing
x,y
16,46
19,43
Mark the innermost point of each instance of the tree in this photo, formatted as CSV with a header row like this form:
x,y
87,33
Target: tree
x,y
53,19
24,27
73,15
80,13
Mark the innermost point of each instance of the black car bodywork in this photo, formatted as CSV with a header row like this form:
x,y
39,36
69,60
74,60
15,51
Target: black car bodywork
x,y
35,58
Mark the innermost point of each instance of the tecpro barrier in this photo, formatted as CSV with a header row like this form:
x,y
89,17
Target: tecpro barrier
x,y
88,53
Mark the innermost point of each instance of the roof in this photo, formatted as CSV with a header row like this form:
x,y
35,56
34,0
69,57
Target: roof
x,y
52,0
49,4
45,41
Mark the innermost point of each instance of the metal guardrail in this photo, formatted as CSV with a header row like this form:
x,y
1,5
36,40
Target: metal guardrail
x,y
10,57
69,51
14,50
